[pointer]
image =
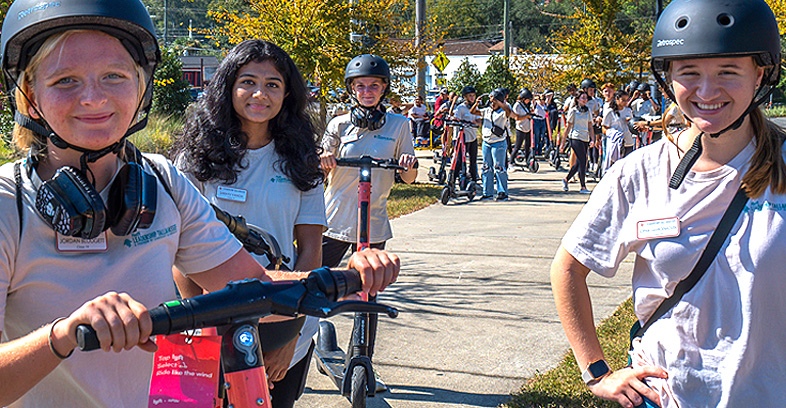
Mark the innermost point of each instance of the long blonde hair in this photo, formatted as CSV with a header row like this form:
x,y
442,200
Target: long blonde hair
x,y
25,139
767,166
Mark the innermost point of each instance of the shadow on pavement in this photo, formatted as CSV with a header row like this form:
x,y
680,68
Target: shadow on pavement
x,y
427,394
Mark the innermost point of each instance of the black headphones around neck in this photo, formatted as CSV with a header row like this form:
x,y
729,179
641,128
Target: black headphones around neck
x,y
72,206
368,118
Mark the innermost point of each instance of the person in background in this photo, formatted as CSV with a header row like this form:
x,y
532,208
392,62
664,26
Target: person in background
x,y
419,118
493,130
523,111
462,112
580,133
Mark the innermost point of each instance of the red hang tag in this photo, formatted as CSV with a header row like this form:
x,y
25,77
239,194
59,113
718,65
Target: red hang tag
x,y
185,372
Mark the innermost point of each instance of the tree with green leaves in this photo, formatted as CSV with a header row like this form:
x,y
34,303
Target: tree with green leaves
x,y
498,75
170,89
467,74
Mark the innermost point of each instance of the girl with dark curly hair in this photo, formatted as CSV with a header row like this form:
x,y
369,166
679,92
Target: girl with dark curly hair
x,y
249,146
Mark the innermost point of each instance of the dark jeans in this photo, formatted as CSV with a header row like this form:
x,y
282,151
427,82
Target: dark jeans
x,y
472,151
290,388
522,138
420,128
580,148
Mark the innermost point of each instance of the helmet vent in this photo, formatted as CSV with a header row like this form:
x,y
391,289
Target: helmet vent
x,y
373,63
682,22
725,20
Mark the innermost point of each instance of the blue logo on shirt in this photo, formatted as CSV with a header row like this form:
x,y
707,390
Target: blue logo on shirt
x,y
279,179
754,206
384,138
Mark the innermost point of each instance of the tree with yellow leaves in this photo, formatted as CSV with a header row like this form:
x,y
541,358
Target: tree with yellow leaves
x,y
316,33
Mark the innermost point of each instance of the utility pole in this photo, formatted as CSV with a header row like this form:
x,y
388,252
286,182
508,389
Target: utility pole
x,y
165,22
506,31
354,36
420,22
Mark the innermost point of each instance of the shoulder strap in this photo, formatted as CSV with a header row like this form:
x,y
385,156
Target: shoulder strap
x,y
710,252
19,207
160,176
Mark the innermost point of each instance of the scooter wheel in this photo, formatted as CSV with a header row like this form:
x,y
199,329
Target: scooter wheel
x,y
471,191
445,196
359,387
326,337
520,159
534,166
432,173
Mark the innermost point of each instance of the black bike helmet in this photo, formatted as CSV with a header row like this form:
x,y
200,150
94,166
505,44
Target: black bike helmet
x,y
632,86
588,83
29,22
643,87
468,90
525,94
366,65
710,28
498,94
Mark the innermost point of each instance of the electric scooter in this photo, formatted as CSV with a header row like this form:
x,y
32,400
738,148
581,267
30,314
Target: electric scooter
x,y
458,167
352,372
527,159
236,310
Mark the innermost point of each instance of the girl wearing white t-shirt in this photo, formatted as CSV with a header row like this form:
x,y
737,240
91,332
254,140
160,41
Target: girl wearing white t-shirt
x,y
723,343
580,134
257,157
617,116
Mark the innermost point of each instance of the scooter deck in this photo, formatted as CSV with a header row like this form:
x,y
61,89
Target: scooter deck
x,y
332,363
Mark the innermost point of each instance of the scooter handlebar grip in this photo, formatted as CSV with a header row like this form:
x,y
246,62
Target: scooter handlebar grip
x,y
87,338
337,284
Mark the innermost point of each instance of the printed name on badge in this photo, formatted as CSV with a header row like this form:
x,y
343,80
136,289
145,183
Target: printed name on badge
x,y
232,194
659,228
350,138
65,243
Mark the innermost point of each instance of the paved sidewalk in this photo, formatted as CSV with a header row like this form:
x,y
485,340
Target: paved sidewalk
x,y
477,316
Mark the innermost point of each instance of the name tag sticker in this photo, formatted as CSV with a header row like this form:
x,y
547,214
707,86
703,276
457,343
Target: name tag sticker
x,y
660,228
349,138
232,194
74,244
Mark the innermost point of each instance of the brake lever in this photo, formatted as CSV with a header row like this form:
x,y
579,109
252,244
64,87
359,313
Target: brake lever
x,y
321,307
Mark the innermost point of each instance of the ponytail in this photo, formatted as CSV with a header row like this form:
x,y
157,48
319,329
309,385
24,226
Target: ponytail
x,y
767,167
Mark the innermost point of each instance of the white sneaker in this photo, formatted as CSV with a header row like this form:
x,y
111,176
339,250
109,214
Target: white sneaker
x,y
564,185
584,191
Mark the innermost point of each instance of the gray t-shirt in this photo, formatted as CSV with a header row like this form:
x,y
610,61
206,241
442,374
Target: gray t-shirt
x,y
344,139
581,123
40,280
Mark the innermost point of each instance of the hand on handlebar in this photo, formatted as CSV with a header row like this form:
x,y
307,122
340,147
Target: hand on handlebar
x,y
120,322
328,162
377,269
407,160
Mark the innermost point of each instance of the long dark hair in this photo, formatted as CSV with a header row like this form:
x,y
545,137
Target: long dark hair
x,y
213,145
613,102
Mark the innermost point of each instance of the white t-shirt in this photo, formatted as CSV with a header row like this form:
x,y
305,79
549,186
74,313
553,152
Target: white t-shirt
x,y
595,105
619,122
344,139
267,198
524,125
540,110
568,102
723,344
462,112
493,117
420,111
39,284
581,123
641,108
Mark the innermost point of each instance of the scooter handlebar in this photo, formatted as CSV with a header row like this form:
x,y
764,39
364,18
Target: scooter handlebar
x,y
460,123
371,162
315,295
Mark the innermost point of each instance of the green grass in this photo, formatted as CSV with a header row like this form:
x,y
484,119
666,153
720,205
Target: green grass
x,y
776,111
562,387
408,198
158,135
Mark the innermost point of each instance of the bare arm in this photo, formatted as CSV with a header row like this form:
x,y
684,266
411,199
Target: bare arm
x,y
571,295
309,247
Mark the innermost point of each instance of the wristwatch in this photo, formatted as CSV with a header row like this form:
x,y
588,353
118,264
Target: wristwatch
x,y
595,370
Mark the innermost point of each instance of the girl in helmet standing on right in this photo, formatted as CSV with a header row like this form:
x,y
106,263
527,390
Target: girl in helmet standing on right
x,y
720,341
